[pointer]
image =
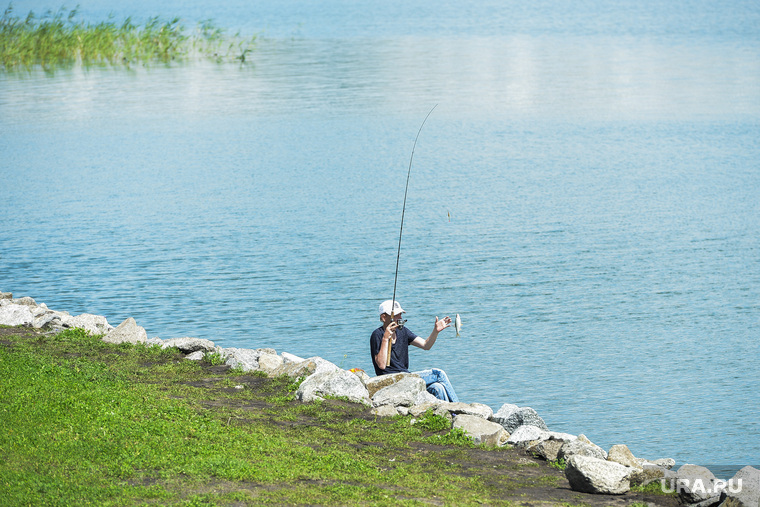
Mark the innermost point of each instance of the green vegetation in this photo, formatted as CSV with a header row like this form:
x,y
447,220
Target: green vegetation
x,y
58,39
89,423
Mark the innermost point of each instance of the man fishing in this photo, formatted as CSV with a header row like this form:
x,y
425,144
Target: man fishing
x,y
398,337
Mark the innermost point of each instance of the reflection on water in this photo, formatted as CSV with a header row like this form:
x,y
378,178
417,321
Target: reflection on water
x,y
602,189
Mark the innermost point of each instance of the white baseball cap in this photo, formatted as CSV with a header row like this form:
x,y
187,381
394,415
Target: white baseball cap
x,y
389,306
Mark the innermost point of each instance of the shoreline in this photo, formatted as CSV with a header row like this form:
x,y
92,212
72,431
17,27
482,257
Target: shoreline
x,y
519,427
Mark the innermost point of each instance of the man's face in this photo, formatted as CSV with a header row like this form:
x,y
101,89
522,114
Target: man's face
x,y
387,318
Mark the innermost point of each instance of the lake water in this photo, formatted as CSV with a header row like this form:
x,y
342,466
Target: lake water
x,y
586,195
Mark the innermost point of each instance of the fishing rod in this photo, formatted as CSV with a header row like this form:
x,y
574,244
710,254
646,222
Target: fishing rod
x,y
401,230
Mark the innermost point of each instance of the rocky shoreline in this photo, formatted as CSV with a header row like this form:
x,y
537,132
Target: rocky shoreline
x,y
588,467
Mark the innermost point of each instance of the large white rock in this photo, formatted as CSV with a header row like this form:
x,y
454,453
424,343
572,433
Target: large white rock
x,y
338,383
476,409
95,324
244,359
188,345
696,484
403,393
268,363
743,489
374,384
581,446
599,476
527,435
481,431
127,332
15,315
621,454
512,417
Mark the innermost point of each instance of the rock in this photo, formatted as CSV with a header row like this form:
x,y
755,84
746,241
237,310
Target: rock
x,y
696,484
361,374
244,359
198,355
481,430
6,295
155,341
269,362
94,324
621,454
401,393
26,301
127,332
44,319
189,345
288,358
545,449
527,435
339,383
598,476
666,463
295,370
646,473
376,383
425,398
15,315
435,405
476,409
384,411
583,447
512,417
743,489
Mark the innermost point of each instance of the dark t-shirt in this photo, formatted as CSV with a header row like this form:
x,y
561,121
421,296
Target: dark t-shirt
x,y
399,351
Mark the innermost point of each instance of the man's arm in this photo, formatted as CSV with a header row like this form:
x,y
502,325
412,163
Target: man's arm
x,y
439,326
388,337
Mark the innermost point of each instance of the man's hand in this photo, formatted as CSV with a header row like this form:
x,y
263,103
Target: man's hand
x,y
442,324
390,332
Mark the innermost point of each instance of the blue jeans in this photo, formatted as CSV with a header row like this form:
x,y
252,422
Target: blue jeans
x,y
438,384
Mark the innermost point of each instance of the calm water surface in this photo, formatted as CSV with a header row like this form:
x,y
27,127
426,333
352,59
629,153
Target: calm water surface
x,y
585,195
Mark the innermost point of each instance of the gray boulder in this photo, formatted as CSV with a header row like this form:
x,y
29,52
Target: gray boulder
x,y
621,454
476,409
268,363
338,383
545,449
375,384
598,476
290,358
648,472
384,411
188,345
527,435
26,301
403,393
6,295
127,332
697,484
481,431
16,315
743,489
295,370
581,446
512,417
94,324
244,359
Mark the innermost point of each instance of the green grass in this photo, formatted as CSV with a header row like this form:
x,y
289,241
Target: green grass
x,y
89,423
59,39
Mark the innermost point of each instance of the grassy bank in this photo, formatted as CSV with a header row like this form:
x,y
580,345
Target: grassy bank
x,y
60,40
89,423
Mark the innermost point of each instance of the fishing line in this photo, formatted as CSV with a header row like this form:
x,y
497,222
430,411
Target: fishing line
x,y
401,229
